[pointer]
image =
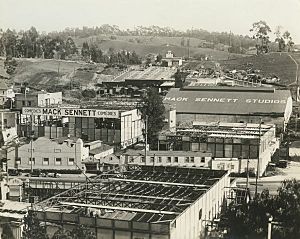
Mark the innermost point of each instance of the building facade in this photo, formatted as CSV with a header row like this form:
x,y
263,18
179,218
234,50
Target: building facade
x,y
168,158
37,99
231,104
229,143
49,154
120,128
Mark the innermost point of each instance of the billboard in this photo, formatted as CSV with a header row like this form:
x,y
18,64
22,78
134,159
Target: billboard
x,y
70,112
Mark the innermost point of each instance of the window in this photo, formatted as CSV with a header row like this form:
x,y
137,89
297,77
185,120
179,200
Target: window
x,y
29,103
57,150
23,102
152,159
57,161
142,159
71,161
232,166
192,159
45,161
169,160
202,159
159,159
176,160
187,159
33,161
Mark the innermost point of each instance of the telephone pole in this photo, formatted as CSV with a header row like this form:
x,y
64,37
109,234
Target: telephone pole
x,y
258,166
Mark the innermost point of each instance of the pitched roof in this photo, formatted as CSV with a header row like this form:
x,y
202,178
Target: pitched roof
x,y
228,100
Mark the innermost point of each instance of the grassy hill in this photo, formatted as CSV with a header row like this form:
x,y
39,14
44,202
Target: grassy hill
x,y
144,45
278,64
38,72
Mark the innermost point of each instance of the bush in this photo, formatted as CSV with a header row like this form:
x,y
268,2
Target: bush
x,y
89,93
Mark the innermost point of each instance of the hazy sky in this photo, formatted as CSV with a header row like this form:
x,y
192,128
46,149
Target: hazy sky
x,y
211,15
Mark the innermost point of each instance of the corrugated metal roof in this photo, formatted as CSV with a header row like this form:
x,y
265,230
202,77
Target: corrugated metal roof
x,y
228,101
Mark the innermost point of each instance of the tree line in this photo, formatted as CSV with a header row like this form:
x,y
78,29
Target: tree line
x,y
32,44
95,54
226,38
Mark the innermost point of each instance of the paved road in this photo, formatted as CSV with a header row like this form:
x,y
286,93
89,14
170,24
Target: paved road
x,y
274,182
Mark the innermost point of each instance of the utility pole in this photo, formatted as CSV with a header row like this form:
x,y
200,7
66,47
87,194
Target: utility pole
x,y
257,169
247,181
31,144
146,138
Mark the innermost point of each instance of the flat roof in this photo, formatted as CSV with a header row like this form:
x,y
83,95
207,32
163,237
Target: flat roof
x,y
228,100
141,193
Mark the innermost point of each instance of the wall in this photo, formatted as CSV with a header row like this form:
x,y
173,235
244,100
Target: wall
x,y
3,96
190,161
230,164
46,148
191,223
22,100
8,119
46,99
131,127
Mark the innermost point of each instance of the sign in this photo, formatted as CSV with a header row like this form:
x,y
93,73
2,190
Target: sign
x,y
226,100
70,112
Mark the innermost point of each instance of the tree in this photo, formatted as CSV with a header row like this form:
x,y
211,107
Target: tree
x,y
79,232
249,220
85,50
33,228
10,65
260,31
179,79
159,58
70,47
153,110
279,39
88,93
288,39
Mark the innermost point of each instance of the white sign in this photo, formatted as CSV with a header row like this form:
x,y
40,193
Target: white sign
x,y
70,112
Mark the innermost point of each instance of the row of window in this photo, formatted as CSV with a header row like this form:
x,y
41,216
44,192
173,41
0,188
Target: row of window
x,y
167,159
46,161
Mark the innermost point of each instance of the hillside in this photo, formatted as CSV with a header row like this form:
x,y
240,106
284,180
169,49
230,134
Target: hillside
x,y
39,72
277,64
144,45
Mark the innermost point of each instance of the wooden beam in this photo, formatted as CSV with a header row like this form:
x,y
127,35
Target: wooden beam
x,y
161,183
119,208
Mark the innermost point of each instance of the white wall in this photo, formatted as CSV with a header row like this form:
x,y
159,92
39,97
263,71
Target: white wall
x,y
131,127
188,224
47,148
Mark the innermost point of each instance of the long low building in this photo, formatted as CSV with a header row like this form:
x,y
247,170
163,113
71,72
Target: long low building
x,y
231,104
142,202
231,144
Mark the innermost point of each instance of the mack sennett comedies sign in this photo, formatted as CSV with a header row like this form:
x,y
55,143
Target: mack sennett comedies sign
x,y
70,112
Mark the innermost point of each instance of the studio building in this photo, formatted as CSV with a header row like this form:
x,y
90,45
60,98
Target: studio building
x,y
120,127
231,104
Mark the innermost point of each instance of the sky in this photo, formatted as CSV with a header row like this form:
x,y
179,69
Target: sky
x,y
236,16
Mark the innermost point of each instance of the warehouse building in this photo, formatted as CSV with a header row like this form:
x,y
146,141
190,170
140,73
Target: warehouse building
x,y
231,104
118,126
142,202
231,144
